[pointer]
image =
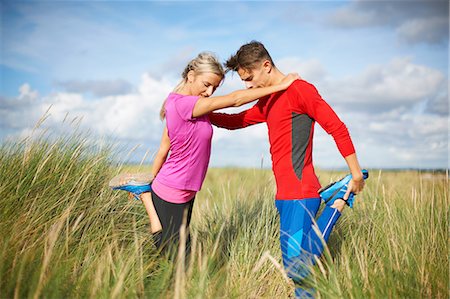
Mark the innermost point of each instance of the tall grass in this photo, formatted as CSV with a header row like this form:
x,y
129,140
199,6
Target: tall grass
x,y
395,242
63,233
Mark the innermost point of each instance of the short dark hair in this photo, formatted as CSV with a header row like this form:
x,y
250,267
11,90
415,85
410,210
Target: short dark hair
x,y
248,56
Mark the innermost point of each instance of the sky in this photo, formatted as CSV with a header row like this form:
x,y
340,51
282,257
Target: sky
x,y
105,67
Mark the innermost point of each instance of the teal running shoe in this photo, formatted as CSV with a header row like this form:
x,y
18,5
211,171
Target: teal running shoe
x,y
136,183
337,190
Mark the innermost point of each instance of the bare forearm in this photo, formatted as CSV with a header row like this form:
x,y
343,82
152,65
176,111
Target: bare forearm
x,y
353,165
235,99
241,97
356,185
158,163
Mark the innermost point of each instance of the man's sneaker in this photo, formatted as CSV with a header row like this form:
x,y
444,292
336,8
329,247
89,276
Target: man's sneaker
x,y
136,183
337,190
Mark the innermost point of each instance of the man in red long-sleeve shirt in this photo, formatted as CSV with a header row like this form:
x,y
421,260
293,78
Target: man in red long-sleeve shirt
x,y
290,116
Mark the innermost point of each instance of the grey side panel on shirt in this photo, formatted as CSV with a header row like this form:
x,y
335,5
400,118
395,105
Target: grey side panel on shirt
x,y
301,129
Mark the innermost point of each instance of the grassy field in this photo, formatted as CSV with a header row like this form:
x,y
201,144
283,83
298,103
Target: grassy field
x,y
64,234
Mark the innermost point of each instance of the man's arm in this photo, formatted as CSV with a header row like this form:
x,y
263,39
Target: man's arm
x,y
356,184
311,103
320,111
240,120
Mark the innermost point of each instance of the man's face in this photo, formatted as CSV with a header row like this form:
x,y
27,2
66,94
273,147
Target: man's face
x,y
256,77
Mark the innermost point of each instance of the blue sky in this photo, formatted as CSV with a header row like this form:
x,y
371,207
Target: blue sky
x,y
382,65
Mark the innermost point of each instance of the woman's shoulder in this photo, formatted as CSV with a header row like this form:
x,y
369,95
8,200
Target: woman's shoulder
x,y
176,96
180,104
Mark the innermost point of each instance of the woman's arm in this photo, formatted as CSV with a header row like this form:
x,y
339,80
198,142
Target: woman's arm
x,y
162,153
239,97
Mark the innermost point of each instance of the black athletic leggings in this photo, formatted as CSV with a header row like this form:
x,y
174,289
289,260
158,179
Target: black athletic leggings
x,y
171,218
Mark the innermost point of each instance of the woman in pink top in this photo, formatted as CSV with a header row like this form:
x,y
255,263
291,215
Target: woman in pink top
x,y
187,137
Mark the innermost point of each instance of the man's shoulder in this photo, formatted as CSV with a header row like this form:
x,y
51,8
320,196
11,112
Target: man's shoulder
x,y
301,88
300,84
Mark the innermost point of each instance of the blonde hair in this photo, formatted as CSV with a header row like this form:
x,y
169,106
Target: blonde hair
x,y
205,62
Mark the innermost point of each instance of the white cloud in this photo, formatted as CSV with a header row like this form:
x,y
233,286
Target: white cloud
x,y
439,104
429,30
423,21
380,87
134,116
420,136
25,92
384,87
22,111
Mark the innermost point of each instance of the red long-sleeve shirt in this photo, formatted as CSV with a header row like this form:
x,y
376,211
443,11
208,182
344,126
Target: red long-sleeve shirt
x,y
290,116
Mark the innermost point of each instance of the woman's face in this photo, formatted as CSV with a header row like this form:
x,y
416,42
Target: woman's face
x,y
203,84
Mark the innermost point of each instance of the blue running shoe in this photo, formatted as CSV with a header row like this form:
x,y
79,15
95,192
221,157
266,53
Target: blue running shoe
x,y
338,189
136,184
